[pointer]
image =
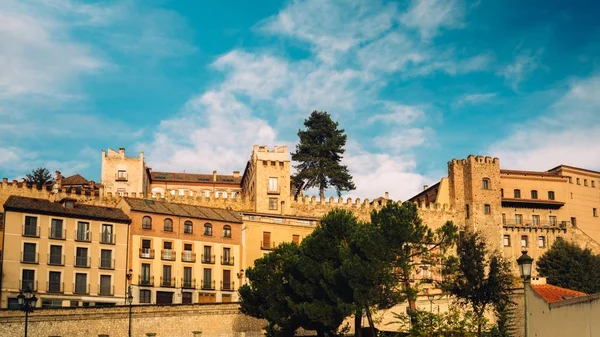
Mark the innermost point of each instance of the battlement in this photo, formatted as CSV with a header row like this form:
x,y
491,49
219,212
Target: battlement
x,y
474,159
278,153
121,154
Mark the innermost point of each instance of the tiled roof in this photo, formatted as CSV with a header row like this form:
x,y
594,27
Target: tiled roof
x,y
76,179
80,211
552,293
194,178
185,210
572,168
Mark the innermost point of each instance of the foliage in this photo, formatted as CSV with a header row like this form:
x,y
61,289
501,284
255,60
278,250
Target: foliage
x,y
454,322
411,245
319,153
567,265
39,177
479,281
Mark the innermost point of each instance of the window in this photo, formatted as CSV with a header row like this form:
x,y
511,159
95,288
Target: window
x,y
273,184
585,182
578,182
81,257
506,240
502,193
188,227
207,256
550,195
186,297
31,228
145,275
593,183
467,211
207,280
83,231
166,276
233,195
29,254
28,280
105,285
56,257
535,220
485,184
517,194
541,241
224,195
487,209
146,222
187,253
206,193
227,256
518,219
81,283
226,231
227,284
570,180
121,175
552,220
574,221
56,229
107,234
524,241
168,225
207,229
54,284
121,191
145,296
273,204
534,194
594,211
296,239
106,260
266,242
168,253
504,218
187,277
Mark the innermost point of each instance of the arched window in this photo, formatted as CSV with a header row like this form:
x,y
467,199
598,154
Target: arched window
x,y
168,225
485,183
226,231
146,222
207,229
188,227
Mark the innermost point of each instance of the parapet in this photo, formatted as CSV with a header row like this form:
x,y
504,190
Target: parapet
x,y
278,153
471,159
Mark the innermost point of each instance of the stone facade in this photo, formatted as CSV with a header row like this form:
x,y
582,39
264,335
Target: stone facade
x,y
121,174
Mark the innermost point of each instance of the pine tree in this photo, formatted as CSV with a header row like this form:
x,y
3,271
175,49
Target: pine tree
x,y
319,154
39,177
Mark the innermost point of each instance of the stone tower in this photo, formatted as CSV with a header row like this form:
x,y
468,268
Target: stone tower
x,y
475,193
267,179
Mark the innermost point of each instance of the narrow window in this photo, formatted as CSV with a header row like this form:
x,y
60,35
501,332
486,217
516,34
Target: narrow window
x,y
584,182
207,193
593,183
81,257
517,194
574,222
105,285
56,257
207,256
166,277
168,225
534,194
266,242
106,260
578,182
146,222
29,255
541,241
595,212
570,180
550,195
81,285
485,184
273,204
467,211
56,229
504,218
207,229
506,240
227,256
273,184
145,275
487,209
518,219
28,280
54,284
552,220
502,193
207,280
296,239
226,231
188,227
524,242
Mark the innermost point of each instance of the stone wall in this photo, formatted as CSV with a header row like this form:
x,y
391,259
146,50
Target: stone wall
x,y
172,321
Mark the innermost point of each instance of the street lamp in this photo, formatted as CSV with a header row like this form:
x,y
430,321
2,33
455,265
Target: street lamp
x,y
129,297
27,301
525,262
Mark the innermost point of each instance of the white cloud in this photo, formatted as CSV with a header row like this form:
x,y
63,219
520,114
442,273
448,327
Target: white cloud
x,y
429,16
391,53
475,98
524,64
399,141
567,133
400,114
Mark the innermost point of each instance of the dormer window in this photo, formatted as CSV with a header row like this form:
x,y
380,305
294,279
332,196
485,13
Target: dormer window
x,y
68,203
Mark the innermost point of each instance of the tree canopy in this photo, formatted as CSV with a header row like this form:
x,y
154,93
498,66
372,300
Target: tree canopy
x,y
39,177
567,265
319,154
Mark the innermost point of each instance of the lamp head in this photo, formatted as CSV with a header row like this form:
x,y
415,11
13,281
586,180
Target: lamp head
x,y
525,262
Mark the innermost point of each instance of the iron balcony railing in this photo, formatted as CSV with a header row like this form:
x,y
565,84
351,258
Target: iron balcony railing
x,y
83,261
227,260
188,283
106,290
208,259
106,263
28,285
81,288
227,286
57,234
188,256
31,230
83,235
167,282
267,245
146,253
208,285
168,254
30,257
147,281
107,238
55,287
56,259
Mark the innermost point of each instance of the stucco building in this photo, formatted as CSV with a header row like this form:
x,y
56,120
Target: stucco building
x,y
123,175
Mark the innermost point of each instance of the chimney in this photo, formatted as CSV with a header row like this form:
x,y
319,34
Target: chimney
x,y
236,174
59,179
387,195
214,175
122,152
425,187
92,185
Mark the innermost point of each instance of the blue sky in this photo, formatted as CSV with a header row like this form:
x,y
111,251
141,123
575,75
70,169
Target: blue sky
x,y
194,84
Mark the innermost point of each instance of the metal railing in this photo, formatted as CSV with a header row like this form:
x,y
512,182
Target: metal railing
x,y
530,223
28,285
30,257
108,238
55,287
188,256
188,283
146,253
106,290
83,235
81,289
227,260
31,230
167,282
54,233
227,286
208,259
168,254
56,259
83,261
146,281
106,263
208,285
267,245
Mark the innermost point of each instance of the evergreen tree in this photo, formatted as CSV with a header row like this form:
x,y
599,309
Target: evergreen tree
x,y
39,177
319,154
567,265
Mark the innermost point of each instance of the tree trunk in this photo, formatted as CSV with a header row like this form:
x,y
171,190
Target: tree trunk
x,y
322,193
358,323
371,324
412,303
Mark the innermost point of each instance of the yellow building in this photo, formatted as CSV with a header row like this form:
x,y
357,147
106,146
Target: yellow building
x,y
183,253
123,175
192,184
67,252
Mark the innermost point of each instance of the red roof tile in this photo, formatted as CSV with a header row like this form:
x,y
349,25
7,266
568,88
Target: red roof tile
x,y
552,293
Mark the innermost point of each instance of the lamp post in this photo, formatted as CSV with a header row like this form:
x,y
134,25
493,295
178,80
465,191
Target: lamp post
x,y
27,301
129,298
525,262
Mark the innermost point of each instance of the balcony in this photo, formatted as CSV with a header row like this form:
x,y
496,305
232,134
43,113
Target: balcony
x,y
83,235
168,254
107,238
168,282
31,231
106,290
57,234
28,285
267,245
30,257
83,261
121,176
147,281
208,285
146,253
210,259
537,224
56,259
106,263
531,203
55,287
227,286
188,283
188,256
227,260
81,289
